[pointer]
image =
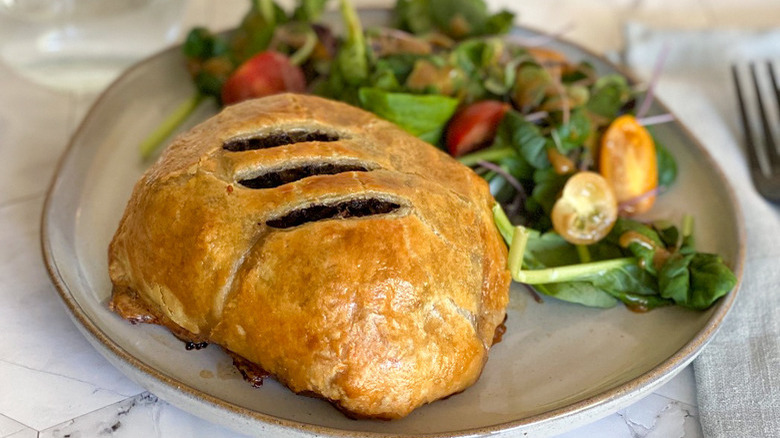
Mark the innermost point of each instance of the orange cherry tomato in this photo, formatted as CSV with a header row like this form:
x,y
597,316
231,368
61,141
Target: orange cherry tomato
x,y
560,162
628,162
586,210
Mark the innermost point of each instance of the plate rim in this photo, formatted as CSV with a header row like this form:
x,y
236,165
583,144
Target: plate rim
x,y
658,374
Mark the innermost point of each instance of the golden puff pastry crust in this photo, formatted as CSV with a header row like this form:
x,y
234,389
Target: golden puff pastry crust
x,y
345,257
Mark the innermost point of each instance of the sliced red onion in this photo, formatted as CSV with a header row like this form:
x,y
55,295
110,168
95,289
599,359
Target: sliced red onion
x,y
659,65
538,115
656,120
622,206
509,178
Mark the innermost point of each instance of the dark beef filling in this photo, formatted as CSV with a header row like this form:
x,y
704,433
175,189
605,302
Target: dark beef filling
x,y
341,210
189,345
252,372
276,139
280,177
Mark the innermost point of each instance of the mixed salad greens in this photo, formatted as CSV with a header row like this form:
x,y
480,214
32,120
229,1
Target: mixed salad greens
x,y
564,150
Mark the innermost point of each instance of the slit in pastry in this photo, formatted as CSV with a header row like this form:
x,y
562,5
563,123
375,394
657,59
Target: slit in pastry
x,y
278,138
277,177
342,209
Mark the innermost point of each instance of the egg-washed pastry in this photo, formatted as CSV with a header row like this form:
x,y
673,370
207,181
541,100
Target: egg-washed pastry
x,y
322,245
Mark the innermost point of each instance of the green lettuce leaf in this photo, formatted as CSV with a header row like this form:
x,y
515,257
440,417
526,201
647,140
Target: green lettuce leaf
x,y
422,115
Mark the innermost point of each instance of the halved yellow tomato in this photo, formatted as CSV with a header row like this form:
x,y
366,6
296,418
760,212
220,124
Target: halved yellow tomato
x,y
586,210
627,160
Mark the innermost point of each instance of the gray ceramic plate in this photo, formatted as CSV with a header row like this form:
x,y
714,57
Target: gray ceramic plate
x,y
558,366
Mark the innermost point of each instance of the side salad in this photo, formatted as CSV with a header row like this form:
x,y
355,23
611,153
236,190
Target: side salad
x,y
567,152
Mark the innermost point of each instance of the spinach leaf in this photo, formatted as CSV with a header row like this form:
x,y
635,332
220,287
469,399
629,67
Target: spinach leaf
x,y
695,280
548,249
608,95
256,30
578,292
502,190
623,225
667,166
499,23
667,232
309,10
209,61
459,18
413,16
580,72
525,137
574,133
422,115
518,167
645,245
627,283
336,87
384,79
548,184
399,65
628,279
202,44
686,278
477,54
480,62
210,83
640,303
468,18
532,82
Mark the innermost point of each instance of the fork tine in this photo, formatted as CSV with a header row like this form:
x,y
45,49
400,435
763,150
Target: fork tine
x,y
773,77
753,161
771,147
774,82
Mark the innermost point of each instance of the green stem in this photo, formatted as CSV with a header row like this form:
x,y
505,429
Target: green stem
x,y
308,46
517,249
352,60
266,8
687,225
517,238
570,273
503,223
491,154
166,128
583,253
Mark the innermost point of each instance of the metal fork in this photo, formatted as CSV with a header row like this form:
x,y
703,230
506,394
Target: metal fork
x,y
766,179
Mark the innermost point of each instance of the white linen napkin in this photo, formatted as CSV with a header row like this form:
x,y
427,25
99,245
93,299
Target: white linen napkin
x,y
738,373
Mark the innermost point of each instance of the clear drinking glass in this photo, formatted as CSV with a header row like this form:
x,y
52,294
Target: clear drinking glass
x,y
82,45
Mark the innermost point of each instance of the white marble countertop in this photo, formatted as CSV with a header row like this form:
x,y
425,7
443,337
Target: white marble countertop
x,y
54,384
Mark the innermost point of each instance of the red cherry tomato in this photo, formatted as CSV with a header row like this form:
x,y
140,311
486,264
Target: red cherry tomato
x,y
474,126
264,74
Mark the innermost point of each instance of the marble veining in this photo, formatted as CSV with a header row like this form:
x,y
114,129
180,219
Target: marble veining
x,y
141,416
661,417
42,351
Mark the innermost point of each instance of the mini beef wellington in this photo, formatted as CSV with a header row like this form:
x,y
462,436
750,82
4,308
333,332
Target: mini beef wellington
x,y
322,246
